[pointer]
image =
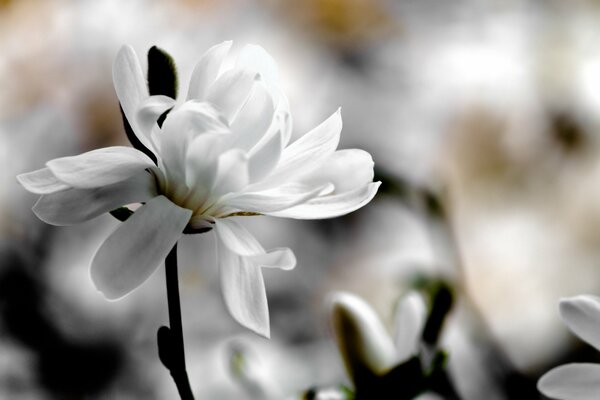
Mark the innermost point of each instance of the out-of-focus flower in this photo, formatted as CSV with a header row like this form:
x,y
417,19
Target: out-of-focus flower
x,y
576,381
222,153
366,347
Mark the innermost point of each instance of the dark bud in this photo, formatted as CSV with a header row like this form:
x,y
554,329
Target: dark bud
x,y
162,76
163,337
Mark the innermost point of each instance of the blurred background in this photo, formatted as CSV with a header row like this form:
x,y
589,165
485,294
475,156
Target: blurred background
x,y
482,118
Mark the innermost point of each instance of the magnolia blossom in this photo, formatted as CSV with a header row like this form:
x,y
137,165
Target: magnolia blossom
x,y
363,340
221,153
576,381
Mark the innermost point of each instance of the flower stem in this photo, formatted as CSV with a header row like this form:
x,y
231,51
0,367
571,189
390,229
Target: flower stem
x,y
176,359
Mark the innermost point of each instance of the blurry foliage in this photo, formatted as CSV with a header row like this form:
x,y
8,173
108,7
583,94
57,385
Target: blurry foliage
x,y
65,367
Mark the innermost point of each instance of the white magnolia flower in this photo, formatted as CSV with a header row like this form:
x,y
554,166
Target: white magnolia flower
x,y
363,340
222,153
576,381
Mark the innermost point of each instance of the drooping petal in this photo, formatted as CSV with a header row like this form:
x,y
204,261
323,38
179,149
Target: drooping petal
x,y
254,118
232,172
572,382
41,181
231,91
236,238
207,70
410,321
100,167
347,169
239,241
361,337
150,110
77,205
133,252
131,88
582,316
308,152
272,200
331,205
280,258
243,290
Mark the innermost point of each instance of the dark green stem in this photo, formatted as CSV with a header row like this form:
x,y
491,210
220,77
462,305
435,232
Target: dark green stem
x,y
176,359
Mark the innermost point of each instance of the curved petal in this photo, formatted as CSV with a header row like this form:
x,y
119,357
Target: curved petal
x,y
181,127
243,290
201,164
133,252
231,91
582,316
240,242
265,156
308,152
572,382
150,111
236,238
207,70
232,172
360,335
255,58
254,118
347,169
331,205
281,258
131,88
77,205
273,200
411,314
100,167
41,181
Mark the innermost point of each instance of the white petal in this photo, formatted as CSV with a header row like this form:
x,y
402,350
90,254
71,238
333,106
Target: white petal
x,y
254,118
360,335
236,238
150,110
347,169
77,205
131,88
572,382
207,70
201,163
231,91
281,258
243,290
272,200
582,315
100,167
41,181
138,246
331,205
239,241
308,152
265,156
180,128
255,58
410,320
232,172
